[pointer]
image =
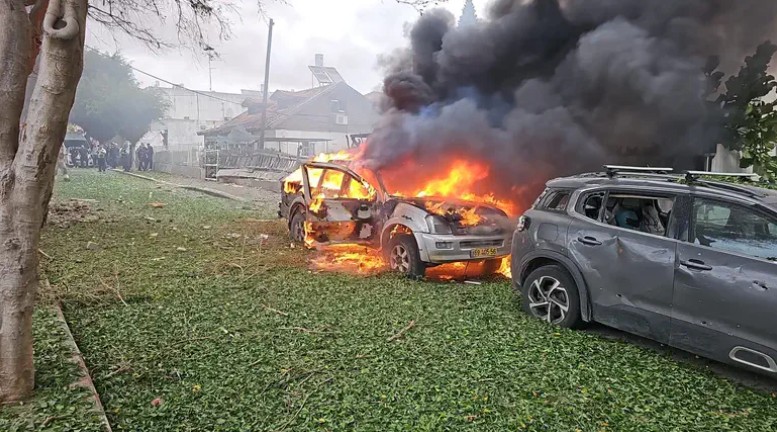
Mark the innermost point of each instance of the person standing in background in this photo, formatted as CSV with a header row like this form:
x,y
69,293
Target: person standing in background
x,y
102,156
149,157
125,157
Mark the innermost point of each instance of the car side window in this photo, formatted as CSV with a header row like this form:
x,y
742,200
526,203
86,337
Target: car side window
x,y
556,201
638,212
591,205
332,183
734,228
314,180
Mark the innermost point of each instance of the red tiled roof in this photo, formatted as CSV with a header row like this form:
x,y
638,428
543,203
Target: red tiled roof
x,y
281,106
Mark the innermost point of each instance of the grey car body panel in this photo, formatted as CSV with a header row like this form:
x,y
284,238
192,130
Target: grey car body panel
x,y
636,281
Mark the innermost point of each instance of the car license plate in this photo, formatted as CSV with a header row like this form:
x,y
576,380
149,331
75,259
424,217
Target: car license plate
x,y
483,253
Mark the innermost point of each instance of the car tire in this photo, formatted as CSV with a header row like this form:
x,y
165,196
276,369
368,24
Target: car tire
x,y
550,294
403,257
491,266
297,227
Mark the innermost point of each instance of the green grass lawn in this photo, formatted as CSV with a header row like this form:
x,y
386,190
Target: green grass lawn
x,y
190,321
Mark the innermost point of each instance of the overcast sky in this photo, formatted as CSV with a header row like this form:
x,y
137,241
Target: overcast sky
x,y
350,33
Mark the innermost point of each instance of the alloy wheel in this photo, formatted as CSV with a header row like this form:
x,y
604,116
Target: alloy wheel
x,y
400,259
299,231
548,299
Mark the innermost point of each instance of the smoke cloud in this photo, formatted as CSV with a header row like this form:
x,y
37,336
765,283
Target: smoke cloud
x,y
553,87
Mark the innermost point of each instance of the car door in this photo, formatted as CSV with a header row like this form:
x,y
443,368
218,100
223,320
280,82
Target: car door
x,y
342,206
629,272
726,284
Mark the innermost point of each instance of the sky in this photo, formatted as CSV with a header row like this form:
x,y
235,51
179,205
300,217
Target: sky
x,y
350,33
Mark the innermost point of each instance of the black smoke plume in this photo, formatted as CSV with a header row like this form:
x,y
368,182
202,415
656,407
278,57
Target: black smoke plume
x,y
553,87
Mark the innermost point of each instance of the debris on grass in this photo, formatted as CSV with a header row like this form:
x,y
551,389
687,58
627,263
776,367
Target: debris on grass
x,y
275,311
66,213
402,332
92,246
157,205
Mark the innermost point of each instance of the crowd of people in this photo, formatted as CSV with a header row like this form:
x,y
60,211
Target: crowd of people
x,y
103,156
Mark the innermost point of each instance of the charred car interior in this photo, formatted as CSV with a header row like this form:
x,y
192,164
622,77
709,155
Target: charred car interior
x,y
342,202
683,260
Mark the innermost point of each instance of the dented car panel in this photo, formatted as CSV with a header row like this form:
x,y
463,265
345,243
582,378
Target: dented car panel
x,y
630,276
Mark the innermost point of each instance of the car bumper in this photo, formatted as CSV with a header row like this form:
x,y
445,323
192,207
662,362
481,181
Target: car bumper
x,y
438,249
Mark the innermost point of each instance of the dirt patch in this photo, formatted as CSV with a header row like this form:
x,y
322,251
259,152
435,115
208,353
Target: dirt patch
x,y
64,214
252,246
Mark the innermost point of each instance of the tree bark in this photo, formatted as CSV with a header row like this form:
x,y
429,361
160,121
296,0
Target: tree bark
x,y
27,172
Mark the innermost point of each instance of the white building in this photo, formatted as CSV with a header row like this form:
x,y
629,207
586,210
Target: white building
x,y
192,111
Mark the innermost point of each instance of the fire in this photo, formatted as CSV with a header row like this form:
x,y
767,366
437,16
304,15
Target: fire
x,y
349,258
460,181
455,183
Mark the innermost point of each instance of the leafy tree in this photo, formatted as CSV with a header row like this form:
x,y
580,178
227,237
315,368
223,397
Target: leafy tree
x,y
109,101
751,121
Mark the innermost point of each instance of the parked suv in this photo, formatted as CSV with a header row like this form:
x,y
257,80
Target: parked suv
x,y
682,260
329,202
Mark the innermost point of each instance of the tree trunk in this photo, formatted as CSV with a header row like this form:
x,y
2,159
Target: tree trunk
x,y
27,168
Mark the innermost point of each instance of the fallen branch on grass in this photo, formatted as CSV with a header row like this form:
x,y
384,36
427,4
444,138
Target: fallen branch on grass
x,y
306,330
122,369
302,405
273,310
401,332
114,289
45,254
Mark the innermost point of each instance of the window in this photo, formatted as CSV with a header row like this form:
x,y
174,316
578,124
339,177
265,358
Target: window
x,y
332,183
556,201
591,206
648,214
734,228
357,190
314,177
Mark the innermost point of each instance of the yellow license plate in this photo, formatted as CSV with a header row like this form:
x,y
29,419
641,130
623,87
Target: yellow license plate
x,y
483,253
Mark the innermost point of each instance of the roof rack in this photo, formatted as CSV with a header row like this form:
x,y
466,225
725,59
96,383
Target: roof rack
x,y
613,170
692,176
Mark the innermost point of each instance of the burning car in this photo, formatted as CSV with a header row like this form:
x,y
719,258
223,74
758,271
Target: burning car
x,y
343,202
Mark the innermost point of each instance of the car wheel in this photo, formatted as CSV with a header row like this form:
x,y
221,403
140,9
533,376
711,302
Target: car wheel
x,y
550,294
491,266
297,227
403,256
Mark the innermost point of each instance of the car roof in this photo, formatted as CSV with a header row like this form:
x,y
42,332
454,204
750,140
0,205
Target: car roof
x,y
669,183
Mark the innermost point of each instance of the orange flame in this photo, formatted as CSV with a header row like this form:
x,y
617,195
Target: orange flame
x,y
455,178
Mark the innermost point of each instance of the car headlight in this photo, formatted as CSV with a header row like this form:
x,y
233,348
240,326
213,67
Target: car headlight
x,y
438,225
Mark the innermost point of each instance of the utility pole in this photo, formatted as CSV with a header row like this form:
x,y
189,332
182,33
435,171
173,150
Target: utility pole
x,y
266,89
210,71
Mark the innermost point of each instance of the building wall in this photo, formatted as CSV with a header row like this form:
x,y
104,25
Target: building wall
x,y
190,113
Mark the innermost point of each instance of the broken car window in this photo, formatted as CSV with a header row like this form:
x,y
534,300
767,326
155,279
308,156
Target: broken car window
x,y
734,228
332,183
648,214
592,205
556,201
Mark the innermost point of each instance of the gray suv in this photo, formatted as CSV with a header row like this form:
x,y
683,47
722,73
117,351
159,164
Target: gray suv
x,y
680,259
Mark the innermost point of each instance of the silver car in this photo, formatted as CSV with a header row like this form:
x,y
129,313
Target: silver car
x,y
326,202
682,260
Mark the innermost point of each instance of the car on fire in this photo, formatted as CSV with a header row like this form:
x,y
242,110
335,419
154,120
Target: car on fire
x,y
683,260
339,202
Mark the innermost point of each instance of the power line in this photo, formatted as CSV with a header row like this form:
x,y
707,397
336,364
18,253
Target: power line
x,y
174,84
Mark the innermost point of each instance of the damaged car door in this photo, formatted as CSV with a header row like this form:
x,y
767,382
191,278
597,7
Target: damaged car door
x,y
341,205
726,284
622,240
